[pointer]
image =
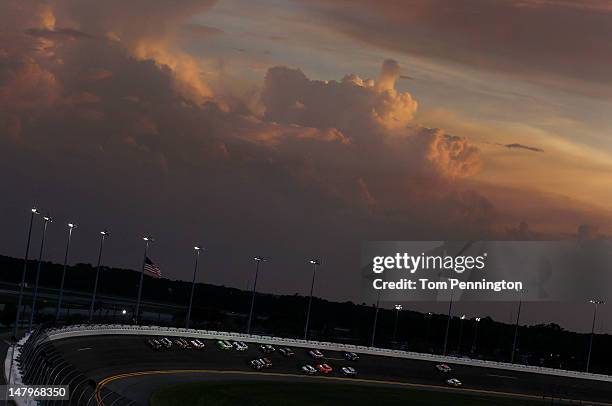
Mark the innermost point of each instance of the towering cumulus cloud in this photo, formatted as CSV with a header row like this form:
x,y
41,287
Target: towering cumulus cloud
x,y
374,115
99,102
290,97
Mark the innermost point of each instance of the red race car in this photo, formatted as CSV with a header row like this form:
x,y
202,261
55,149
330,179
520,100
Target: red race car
x,y
324,368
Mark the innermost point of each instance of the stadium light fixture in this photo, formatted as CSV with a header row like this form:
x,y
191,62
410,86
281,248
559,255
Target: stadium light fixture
x,y
257,260
103,235
197,249
71,226
595,302
398,307
315,263
47,219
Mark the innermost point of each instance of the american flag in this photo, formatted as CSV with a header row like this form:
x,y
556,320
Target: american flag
x,y
150,267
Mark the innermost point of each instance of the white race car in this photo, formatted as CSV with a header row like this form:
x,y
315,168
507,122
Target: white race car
x,y
349,371
197,344
257,364
316,354
309,370
351,356
267,348
443,368
240,346
453,382
166,342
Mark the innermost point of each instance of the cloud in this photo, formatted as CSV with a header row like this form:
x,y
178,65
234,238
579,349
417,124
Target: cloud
x,y
487,34
130,129
290,97
56,33
521,146
373,115
201,31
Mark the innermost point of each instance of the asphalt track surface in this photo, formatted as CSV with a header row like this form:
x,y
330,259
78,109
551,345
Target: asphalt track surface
x,y
126,365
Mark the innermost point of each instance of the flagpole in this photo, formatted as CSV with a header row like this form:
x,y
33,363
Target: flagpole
x,y
103,235
144,260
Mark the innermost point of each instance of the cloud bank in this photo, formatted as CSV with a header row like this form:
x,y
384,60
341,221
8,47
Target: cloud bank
x,y
104,117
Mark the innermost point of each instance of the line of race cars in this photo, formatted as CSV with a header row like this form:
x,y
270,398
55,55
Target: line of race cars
x,y
321,365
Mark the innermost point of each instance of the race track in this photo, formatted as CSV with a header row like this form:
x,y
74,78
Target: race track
x,y
126,365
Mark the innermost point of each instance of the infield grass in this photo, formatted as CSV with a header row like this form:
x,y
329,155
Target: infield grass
x,y
264,393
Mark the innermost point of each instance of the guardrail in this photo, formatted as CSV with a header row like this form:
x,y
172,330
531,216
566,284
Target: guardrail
x,y
118,329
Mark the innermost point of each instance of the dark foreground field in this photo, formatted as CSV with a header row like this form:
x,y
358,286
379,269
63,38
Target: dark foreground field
x,y
314,394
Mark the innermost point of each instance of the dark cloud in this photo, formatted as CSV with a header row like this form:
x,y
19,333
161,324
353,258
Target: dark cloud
x,y
521,146
57,33
553,42
201,31
124,133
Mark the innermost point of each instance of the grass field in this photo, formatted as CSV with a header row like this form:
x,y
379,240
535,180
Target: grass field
x,y
262,393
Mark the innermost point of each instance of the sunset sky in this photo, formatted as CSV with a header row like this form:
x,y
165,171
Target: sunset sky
x,y
302,128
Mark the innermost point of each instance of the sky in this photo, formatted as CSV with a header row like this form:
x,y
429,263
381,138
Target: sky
x,y
299,129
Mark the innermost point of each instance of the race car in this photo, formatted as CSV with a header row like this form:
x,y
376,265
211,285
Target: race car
x,y
349,371
267,362
316,354
351,356
166,342
324,368
224,345
309,370
267,348
257,364
443,368
154,344
240,346
182,343
453,382
286,352
197,344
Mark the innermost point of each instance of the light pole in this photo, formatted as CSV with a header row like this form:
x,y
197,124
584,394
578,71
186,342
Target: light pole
x,y
71,226
429,314
398,307
197,250
375,319
476,322
46,221
33,212
516,327
448,320
315,263
103,235
257,262
460,333
596,303
147,240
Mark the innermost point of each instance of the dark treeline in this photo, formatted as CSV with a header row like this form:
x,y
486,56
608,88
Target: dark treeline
x,y
224,308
